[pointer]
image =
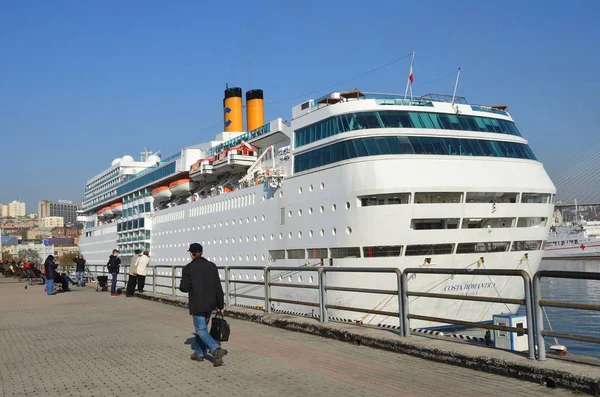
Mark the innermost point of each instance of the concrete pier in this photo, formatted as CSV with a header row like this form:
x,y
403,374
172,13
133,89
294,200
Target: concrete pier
x,y
85,343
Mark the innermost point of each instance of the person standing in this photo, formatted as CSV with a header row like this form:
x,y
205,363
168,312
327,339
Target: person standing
x,y
50,273
131,282
200,278
79,269
114,263
141,271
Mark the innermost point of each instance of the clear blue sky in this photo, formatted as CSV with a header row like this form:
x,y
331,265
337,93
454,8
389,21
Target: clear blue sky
x,y
83,82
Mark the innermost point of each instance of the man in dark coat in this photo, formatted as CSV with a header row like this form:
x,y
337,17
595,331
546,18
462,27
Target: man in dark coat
x,y
200,278
79,270
114,263
50,270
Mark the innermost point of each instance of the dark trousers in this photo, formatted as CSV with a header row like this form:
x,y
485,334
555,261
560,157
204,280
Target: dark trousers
x,y
62,280
141,280
113,286
131,282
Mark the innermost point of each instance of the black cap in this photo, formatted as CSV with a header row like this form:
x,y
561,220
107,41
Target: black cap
x,y
195,248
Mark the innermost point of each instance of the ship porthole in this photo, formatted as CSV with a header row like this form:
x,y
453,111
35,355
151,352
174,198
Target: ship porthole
x,y
311,279
299,212
334,231
322,232
322,209
310,188
299,190
299,279
348,230
322,186
333,207
310,233
310,211
299,234
347,205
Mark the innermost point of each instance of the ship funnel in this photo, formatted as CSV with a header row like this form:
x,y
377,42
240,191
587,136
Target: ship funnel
x,y
233,118
255,111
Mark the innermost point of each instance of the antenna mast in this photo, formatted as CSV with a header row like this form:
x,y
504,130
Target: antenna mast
x,y
456,86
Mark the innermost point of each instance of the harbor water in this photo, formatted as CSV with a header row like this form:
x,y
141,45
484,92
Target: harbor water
x,y
579,322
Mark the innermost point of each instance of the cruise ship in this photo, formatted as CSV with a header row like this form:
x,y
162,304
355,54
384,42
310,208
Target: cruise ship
x,y
355,179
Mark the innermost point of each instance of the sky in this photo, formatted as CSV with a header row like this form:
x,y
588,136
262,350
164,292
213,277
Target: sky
x,y
82,83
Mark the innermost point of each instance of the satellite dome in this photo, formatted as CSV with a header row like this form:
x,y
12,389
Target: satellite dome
x,y
127,160
115,161
153,159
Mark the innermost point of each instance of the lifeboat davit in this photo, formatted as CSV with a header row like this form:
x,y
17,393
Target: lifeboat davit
x,y
108,212
117,209
161,194
183,187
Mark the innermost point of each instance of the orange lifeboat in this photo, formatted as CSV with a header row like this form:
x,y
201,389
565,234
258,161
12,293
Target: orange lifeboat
x,y
117,208
161,194
107,212
182,187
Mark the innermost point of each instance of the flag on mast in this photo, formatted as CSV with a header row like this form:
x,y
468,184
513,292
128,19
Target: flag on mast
x,y
411,78
410,75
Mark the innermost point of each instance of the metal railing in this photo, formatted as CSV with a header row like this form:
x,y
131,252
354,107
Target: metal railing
x,y
530,330
540,303
163,281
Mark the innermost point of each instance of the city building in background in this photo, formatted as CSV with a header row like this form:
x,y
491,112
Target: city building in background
x,y
52,222
3,210
15,209
63,208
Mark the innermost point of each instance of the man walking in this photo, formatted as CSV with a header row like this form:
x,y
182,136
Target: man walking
x,y
79,270
114,263
200,278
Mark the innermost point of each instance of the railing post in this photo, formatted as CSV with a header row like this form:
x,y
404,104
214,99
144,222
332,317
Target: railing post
x,y
227,297
530,321
267,273
323,295
405,321
173,281
539,321
399,285
154,279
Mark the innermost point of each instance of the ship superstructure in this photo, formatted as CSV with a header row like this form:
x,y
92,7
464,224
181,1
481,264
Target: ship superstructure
x,y
356,179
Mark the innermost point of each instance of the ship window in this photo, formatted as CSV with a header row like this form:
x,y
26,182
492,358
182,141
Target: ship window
x,y
401,119
491,223
434,223
276,254
535,198
429,249
531,245
491,197
384,199
118,227
317,253
481,247
438,198
394,145
281,215
382,251
346,252
141,222
296,254
532,222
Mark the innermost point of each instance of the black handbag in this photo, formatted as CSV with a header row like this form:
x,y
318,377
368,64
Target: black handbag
x,y
219,329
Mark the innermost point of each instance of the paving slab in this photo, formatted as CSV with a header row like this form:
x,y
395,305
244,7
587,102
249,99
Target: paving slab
x,y
86,343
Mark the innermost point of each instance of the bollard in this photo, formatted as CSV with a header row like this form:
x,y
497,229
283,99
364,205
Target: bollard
x,y
324,317
267,273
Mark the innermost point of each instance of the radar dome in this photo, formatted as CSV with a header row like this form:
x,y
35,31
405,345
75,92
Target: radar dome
x,y
115,162
127,160
153,159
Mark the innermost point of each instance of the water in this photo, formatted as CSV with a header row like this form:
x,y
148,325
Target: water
x,y
579,322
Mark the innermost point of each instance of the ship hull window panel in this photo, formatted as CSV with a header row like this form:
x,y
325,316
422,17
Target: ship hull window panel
x,y
532,222
296,254
384,199
382,251
487,223
531,245
345,252
393,145
276,254
483,247
491,197
429,249
535,198
317,253
434,224
438,198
